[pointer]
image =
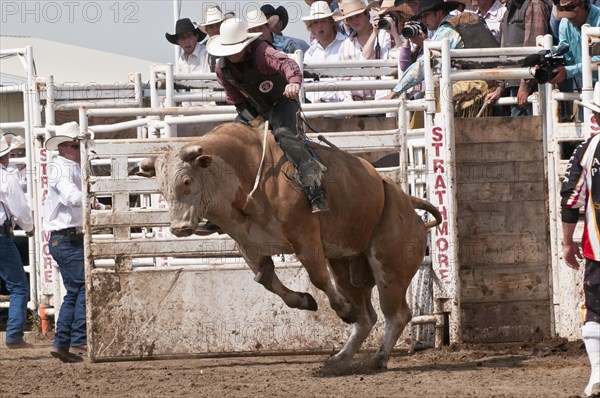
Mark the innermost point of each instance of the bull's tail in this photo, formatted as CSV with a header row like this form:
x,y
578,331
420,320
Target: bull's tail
x,y
422,204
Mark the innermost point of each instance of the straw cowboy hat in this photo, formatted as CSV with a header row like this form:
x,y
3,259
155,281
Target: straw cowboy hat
x,y
398,6
434,5
4,147
319,10
256,17
64,133
354,7
15,141
184,25
234,38
594,104
280,11
214,15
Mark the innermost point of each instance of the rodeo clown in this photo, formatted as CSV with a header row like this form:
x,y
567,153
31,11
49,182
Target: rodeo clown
x,y
264,83
581,188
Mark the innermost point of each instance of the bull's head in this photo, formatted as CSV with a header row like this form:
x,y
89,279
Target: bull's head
x,y
181,180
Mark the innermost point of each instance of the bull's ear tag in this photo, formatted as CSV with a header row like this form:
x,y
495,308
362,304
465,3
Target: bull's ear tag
x,y
203,161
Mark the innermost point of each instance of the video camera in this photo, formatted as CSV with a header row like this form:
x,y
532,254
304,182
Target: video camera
x,y
384,23
413,28
546,61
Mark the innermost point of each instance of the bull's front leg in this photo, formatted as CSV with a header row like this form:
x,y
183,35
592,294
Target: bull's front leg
x,y
264,273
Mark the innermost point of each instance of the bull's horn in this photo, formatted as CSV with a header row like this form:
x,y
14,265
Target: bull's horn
x,y
147,168
190,152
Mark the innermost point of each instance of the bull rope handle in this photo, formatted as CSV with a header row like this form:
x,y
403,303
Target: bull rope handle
x,y
262,159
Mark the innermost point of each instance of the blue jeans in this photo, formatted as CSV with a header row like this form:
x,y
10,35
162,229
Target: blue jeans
x,y
70,326
11,270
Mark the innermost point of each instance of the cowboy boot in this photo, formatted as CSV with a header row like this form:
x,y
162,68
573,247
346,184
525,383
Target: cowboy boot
x,y
316,197
591,337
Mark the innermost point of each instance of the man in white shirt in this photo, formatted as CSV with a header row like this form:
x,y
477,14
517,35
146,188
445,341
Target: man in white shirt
x,y
492,12
193,56
13,209
63,218
325,47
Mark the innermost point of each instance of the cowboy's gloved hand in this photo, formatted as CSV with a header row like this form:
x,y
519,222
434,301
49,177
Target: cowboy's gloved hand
x,y
292,90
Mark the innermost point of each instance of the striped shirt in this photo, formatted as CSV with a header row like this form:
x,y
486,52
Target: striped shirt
x,y
581,188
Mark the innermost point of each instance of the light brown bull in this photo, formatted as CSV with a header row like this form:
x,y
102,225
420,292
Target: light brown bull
x,y
371,235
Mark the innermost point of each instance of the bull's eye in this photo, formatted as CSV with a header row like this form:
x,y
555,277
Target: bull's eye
x,y
187,181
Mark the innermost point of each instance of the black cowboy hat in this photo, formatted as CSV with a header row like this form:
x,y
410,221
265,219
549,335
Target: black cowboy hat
x,y
280,11
183,26
433,5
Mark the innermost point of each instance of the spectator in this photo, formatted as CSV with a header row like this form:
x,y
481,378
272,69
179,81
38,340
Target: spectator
x,y
17,154
264,83
580,188
574,14
213,18
492,12
258,23
401,49
193,56
433,14
365,42
64,220
325,47
281,24
523,21
13,209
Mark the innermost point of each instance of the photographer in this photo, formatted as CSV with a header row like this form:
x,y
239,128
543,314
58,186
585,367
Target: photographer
x,y
392,19
433,14
574,14
522,23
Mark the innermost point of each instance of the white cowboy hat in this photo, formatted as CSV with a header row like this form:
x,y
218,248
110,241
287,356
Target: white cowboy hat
x,y
354,7
64,133
214,15
15,141
594,104
319,10
233,39
4,147
256,17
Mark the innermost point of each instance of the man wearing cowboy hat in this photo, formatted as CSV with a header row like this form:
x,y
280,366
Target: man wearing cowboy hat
x,y
63,218
574,14
213,18
262,82
581,188
193,56
325,47
281,24
18,152
259,23
13,209
433,14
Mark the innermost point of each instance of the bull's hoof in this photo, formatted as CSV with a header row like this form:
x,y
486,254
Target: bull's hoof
x,y
311,304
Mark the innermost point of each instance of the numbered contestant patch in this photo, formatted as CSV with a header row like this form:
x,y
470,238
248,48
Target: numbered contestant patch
x,y
265,86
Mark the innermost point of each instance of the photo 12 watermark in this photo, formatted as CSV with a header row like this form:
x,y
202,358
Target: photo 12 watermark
x,y
69,11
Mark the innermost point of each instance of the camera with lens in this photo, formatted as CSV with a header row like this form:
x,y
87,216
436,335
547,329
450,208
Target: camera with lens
x,y
412,29
545,62
384,23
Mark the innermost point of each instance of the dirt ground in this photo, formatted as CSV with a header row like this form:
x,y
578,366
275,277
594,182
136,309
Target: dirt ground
x,y
553,368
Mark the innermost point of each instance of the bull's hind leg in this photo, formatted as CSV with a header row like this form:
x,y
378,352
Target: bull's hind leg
x,y
264,273
396,252
360,297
